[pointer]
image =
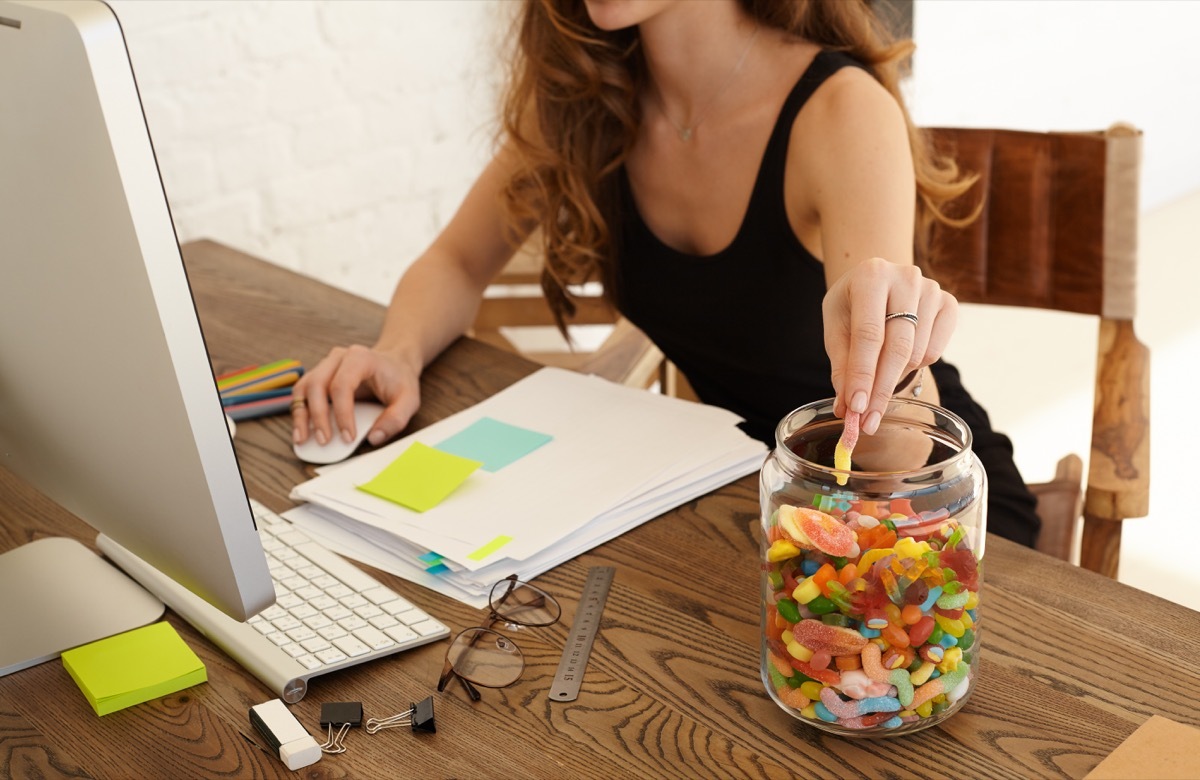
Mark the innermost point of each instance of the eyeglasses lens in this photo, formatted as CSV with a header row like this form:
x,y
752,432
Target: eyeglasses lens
x,y
523,605
486,658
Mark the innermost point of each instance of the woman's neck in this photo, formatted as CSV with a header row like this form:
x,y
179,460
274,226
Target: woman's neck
x,y
692,52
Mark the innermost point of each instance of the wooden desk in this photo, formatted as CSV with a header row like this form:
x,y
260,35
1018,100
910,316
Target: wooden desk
x,y
1072,662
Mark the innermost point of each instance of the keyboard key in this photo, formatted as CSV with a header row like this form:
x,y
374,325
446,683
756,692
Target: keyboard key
x,y
303,612
339,591
289,601
293,583
273,612
401,633
398,605
294,650
331,655
351,646
309,662
317,622
310,592
286,623
373,638
322,602
368,611
383,621
315,645
331,631
338,612
427,627
352,601
301,634
380,595
292,538
352,623
279,639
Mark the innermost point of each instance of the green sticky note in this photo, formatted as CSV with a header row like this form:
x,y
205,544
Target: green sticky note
x,y
490,548
495,443
421,477
133,667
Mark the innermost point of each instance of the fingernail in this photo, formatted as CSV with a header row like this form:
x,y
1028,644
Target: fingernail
x,y
859,402
872,423
322,439
295,435
376,437
347,436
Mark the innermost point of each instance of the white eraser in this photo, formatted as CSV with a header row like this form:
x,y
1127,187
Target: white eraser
x,y
297,749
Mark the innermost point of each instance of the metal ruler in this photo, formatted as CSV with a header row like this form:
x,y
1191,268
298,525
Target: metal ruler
x,y
569,676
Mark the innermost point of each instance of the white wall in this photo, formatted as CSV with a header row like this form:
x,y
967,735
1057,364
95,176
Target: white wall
x,y
335,137
1067,65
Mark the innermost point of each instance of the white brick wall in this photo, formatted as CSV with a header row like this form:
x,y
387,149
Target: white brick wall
x,y
335,137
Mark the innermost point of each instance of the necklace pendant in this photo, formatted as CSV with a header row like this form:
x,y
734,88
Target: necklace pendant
x,y
685,134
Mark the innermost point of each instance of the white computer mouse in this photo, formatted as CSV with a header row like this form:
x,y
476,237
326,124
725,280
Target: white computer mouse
x,y
365,415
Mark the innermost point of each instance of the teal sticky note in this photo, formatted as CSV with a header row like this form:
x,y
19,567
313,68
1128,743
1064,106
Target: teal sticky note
x,y
494,443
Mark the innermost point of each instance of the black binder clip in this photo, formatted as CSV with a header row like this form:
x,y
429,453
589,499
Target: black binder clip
x,y
344,715
419,716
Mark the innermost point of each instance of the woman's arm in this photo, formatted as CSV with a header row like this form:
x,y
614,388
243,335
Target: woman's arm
x,y
434,303
853,177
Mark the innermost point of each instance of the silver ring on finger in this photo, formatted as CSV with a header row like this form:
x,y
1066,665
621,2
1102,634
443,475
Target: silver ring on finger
x,y
904,315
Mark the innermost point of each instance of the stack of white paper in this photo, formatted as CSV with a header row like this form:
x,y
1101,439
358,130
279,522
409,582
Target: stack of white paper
x,y
615,457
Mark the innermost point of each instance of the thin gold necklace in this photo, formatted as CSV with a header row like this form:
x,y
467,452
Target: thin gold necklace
x,y
687,131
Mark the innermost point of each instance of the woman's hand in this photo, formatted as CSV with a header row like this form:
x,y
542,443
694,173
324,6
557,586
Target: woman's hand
x,y
342,376
870,353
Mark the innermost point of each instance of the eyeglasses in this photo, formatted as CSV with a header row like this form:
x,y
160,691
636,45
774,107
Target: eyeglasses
x,y
480,656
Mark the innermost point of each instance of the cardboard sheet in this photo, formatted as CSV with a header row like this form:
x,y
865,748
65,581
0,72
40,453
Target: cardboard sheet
x,y
1160,749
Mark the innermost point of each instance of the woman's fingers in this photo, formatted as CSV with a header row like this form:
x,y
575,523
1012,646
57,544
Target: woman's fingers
x,y
882,321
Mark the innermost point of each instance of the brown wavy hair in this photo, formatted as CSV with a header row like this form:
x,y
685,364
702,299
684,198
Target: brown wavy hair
x,y
571,114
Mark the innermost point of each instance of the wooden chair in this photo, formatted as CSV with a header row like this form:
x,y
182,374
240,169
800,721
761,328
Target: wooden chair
x,y
1058,231
514,300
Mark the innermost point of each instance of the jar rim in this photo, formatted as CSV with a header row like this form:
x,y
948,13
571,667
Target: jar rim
x,y
966,438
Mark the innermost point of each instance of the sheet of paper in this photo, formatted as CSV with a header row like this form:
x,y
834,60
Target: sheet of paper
x,y
610,443
391,553
133,667
421,477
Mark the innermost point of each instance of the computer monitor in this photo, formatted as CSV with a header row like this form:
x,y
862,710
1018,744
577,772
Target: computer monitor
x,y
108,404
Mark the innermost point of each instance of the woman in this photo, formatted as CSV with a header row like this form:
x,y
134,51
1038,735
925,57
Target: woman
x,y
743,177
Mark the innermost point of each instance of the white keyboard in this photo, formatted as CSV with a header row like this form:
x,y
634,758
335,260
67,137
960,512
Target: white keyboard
x,y
328,613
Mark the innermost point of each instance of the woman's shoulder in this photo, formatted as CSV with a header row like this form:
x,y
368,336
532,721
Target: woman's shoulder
x,y
850,94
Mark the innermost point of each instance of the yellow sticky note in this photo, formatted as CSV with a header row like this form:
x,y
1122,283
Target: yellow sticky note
x,y
421,478
133,667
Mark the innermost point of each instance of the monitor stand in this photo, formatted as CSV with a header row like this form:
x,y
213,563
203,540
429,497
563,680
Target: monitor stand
x,y
58,594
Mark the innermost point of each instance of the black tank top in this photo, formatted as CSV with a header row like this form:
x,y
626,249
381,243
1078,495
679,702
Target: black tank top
x,y
744,325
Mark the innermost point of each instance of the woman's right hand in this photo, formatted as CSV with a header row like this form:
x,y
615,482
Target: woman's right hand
x,y
344,375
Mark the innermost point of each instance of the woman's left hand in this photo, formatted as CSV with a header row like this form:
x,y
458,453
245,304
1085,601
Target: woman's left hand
x,y
869,351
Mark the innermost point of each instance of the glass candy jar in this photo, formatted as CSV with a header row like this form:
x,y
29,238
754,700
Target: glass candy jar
x,y
871,577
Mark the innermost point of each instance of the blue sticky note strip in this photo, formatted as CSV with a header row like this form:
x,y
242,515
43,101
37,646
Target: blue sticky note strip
x,y
494,443
438,569
430,558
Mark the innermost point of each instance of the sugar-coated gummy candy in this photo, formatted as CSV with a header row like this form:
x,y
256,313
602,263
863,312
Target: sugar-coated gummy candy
x,y
811,528
835,640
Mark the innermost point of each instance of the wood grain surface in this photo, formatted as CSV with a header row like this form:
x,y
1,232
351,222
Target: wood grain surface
x,y
1071,664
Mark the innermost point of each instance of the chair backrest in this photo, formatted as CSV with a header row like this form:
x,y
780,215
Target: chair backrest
x,y
1058,230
